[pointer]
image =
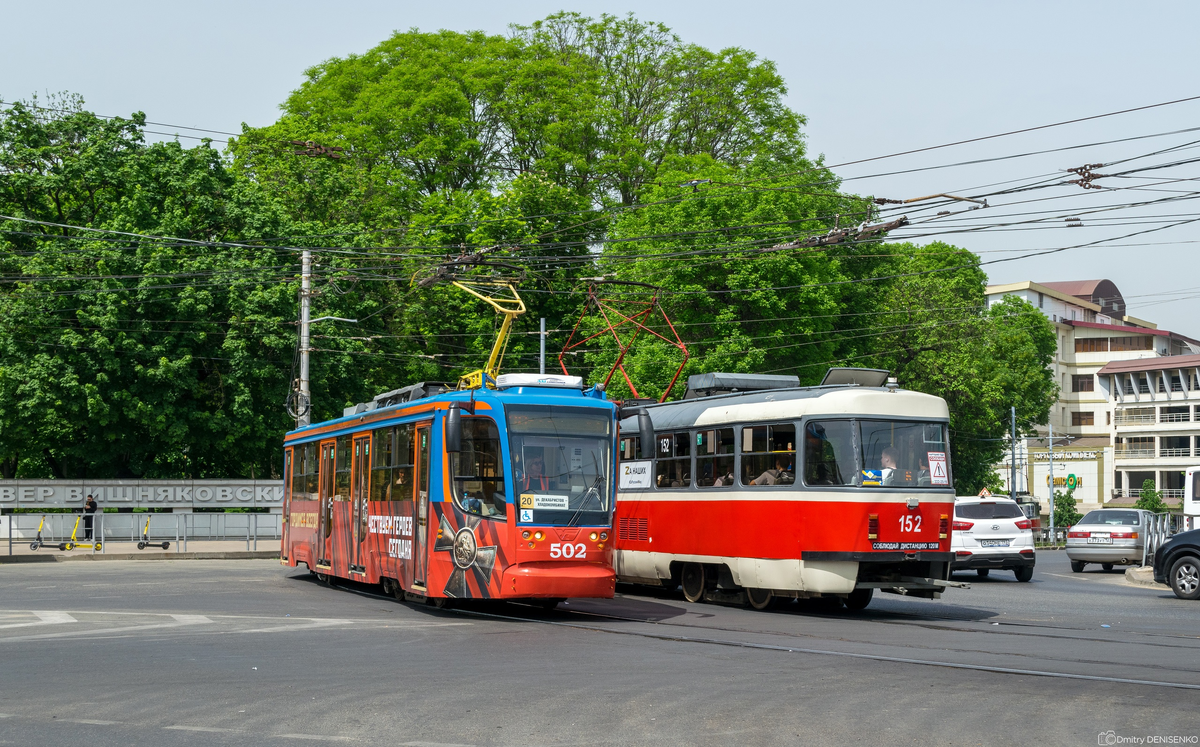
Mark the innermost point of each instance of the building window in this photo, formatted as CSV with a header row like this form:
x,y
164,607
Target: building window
x,y
1091,345
1085,383
1083,418
1041,300
1139,342
1108,417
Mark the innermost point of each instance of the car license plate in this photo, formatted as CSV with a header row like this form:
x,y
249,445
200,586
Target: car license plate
x,y
1099,540
994,543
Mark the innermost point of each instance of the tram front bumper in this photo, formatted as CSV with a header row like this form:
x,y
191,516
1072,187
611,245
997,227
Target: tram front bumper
x,y
552,579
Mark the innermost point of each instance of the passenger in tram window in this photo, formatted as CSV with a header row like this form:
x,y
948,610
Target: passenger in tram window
x,y
777,476
887,463
923,473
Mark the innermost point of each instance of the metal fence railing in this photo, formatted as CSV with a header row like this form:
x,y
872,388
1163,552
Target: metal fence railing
x,y
55,530
1158,529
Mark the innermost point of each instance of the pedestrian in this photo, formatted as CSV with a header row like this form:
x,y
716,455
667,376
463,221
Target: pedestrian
x,y
89,508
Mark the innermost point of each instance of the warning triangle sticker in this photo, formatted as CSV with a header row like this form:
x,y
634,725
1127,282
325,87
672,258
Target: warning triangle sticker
x,y
939,469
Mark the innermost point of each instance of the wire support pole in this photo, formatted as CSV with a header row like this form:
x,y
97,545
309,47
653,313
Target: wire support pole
x,y
1050,441
1012,460
304,412
542,346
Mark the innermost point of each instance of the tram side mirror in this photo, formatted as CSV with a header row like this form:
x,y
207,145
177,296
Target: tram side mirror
x,y
646,432
454,429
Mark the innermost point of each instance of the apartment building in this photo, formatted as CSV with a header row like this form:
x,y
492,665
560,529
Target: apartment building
x,y
1124,414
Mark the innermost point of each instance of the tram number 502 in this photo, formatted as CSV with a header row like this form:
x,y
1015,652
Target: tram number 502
x,y
567,550
910,523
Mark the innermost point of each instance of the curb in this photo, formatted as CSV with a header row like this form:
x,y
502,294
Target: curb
x,y
60,558
1143,576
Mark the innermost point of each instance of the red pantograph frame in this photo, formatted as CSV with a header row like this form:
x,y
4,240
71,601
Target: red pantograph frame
x,y
638,312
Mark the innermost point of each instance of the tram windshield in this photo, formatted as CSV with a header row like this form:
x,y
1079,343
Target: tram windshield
x,y
561,463
904,454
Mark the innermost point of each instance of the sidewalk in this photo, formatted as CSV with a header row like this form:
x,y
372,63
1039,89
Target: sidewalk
x,y
196,550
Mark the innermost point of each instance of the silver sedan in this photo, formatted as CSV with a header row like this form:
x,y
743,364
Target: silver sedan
x,y
1108,536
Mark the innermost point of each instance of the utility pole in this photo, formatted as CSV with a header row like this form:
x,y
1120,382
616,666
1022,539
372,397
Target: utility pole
x,y
304,406
1012,460
1050,440
542,356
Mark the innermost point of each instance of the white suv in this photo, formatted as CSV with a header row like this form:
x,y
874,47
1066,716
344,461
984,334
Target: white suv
x,y
992,533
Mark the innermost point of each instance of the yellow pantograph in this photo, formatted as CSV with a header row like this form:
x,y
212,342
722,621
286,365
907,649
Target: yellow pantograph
x,y
502,297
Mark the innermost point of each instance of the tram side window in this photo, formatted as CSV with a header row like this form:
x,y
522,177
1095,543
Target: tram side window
x,y
341,479
769,454
403,460
381,464
310,471
714,458
904,454
829,453
477,474
631,448
673,468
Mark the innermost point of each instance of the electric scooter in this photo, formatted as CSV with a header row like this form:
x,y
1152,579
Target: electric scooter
x,y
38,541
145,542
72,543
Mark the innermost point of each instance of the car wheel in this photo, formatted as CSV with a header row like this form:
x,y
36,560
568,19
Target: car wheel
x,y
982,572
1077,566
1185,578
1024,573
1107,566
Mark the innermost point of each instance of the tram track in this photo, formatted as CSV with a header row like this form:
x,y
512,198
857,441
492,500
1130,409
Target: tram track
x,y
578,620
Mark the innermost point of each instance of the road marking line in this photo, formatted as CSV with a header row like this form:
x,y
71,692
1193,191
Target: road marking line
x,y
433,744
92,721
6,715
320,737
40,587
214,729
192,619
44,618
316,623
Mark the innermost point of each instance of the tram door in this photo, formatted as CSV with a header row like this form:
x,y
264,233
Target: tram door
x,y
325,515
358,501
421,535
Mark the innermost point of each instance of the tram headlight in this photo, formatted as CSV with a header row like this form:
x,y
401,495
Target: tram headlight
x,y
603,536
593,536
538,536
525,535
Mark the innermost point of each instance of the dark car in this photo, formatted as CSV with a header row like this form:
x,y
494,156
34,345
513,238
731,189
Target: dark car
x,y
1177,563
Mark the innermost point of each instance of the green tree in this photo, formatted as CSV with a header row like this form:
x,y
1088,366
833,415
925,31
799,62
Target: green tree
x,y
937,335
1065,513
1150,499
121,356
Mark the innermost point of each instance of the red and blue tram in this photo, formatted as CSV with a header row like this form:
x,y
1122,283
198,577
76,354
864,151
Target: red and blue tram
x,y
757,487
438,493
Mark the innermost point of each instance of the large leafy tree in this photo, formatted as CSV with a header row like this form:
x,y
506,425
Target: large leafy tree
x,y
121,356
933,329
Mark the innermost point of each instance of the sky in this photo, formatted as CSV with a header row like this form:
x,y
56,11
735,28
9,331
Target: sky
x,y
872,79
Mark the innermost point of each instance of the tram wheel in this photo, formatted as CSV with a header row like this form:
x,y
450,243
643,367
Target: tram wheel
x,y
693,581
859,599
324,578
760,599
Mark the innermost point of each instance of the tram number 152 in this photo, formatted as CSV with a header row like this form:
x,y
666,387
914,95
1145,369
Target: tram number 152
x,y
910,523
567,550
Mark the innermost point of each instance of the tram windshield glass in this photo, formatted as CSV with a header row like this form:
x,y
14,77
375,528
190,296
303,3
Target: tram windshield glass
x,y
904,454
561,463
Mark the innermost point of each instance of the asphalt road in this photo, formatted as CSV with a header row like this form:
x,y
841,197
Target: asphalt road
x,y
247,652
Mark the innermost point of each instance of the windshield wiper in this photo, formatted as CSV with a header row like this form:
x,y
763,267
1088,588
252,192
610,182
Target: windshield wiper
x,y
591,489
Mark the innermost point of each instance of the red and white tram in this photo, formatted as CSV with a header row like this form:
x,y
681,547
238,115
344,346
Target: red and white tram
x,y
755,484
